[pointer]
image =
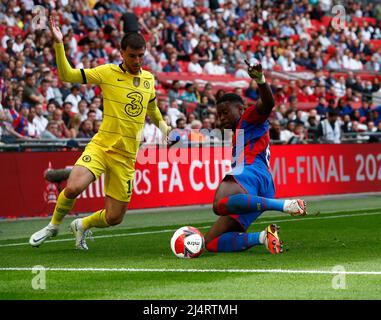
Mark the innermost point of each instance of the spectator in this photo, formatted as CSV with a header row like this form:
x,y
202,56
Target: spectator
x,y
86,129
91,115
195,135
94,107
300,135
334,63
39,120
32,128
174,93
322,108
366,108
82,110
174,113
67,114
194,65
74,98
189,94
151,133
51,131
372,65
288,64
287,133
252,91
172,65
31,94
7,132
268,61
275,131
63,131
129,22
329,129
57,94
74,125
340,87
96,126
215,67
241,70
20,121
180,133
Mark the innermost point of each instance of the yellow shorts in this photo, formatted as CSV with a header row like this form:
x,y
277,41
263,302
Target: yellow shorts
x,y
118,169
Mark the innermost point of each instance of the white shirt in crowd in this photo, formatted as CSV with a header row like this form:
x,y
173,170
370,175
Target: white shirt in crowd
x,y
74,101
286,135
194,68
151,133
18,47
288,66
331,135
140,3
173,114
41,123
268,63
214,69
339,89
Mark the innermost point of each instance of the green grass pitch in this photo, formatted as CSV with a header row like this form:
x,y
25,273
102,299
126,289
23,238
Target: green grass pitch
x,y
134,260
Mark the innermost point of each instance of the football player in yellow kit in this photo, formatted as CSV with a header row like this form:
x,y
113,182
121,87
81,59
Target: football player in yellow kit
x,y
128,95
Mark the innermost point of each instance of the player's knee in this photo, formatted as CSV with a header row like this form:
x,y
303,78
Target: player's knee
x,y
72,191
219,207
215,209
114,220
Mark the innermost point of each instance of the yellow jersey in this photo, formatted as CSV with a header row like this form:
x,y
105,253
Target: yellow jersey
x,y
127,98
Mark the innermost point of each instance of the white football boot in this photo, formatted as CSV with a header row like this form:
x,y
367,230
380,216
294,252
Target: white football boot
x,y
295,207
80,234
42,235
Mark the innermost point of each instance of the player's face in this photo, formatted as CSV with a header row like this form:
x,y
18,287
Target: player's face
x,y
133,59
228,114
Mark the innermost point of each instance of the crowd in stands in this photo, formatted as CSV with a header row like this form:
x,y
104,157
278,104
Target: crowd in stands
x,y
198,38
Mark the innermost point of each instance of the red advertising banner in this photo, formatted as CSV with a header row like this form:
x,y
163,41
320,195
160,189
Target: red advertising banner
x,y
189,176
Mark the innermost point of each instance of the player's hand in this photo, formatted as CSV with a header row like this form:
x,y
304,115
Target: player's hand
x,y
165,129
255,72
55,30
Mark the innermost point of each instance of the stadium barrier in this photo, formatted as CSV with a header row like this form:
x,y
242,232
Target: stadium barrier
x,y
189,176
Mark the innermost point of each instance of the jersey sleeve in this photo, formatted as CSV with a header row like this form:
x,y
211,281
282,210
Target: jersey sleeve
x,y
154,113
94,75
69,74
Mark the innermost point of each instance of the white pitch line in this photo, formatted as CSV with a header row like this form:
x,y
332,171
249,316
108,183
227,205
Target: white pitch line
x,y
172,230
196,270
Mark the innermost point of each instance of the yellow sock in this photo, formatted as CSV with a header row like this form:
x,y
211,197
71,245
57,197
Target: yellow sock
x,y
97,219
63,206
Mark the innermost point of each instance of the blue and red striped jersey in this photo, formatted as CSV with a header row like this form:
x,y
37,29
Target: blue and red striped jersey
x,y
251,140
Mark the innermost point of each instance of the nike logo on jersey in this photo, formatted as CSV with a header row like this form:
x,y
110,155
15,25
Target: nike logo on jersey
x,y
121,80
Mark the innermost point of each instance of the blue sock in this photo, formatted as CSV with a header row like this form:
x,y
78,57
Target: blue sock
x,y
233,242
247,203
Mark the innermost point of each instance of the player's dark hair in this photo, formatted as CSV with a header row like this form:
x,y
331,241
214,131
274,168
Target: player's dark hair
x,y
230,97
134,40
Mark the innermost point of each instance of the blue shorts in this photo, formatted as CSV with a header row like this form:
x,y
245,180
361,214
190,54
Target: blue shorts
x,y
256,180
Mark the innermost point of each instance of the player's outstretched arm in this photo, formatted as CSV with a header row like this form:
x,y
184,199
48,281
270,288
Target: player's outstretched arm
x,y
65,71
266,102
154,113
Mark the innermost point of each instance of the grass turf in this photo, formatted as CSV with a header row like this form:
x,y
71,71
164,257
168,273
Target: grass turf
x,y
338,233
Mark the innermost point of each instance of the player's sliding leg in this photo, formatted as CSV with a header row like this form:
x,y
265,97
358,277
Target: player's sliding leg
x,y
228,235
110,216
80,177
247,204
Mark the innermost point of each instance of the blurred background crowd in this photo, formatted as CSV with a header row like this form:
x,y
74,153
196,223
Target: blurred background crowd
x,y
192,40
